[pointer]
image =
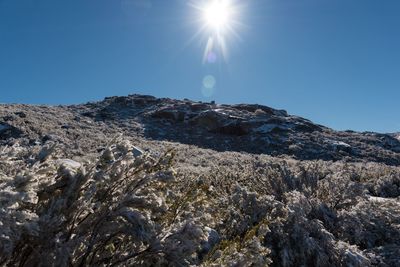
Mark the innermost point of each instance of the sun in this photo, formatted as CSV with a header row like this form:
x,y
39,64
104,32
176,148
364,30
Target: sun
x,y
219,20
217,14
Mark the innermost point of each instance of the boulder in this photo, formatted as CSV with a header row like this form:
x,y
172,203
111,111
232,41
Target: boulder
x,y
68,168
341,146
20,114
254,107
143,100
8,131
169,114
234,128
199,107
216,121
9,118
3,127
390,142
137,152
308,127
69,163
209,120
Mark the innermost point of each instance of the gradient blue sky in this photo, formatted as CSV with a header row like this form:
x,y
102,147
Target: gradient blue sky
x,y
336,62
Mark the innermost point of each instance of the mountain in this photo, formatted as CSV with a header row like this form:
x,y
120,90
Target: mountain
x,y
396,135
147,181
249,128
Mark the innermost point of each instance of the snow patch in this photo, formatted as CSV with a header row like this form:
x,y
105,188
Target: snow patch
x,y
220,110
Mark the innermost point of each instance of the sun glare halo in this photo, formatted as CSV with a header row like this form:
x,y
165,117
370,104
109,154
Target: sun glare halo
x,y
218,14
218,21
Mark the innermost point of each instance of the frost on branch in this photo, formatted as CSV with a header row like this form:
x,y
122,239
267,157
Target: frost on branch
x,y
115,211
124,208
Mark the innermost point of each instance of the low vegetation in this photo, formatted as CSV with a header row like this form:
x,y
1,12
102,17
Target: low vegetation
x,y
115,209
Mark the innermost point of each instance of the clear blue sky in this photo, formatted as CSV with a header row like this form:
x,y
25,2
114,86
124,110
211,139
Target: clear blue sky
x,y
336,62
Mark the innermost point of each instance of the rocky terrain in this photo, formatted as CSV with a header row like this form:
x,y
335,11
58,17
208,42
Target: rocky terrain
x,y
249,128
145,181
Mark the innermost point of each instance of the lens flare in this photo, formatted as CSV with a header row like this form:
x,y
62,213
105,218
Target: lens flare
x,y
208,87
209,81
211,57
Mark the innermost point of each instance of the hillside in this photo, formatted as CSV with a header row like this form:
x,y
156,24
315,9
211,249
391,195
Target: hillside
x,y
145,181
254,129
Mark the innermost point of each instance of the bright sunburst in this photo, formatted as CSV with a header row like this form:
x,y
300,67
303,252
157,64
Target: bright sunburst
x,y
218,14
218,20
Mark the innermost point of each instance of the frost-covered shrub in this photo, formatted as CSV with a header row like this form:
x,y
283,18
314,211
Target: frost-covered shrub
x,y
366,229
386,186
121,208
243,229
297,239
112,211
338,191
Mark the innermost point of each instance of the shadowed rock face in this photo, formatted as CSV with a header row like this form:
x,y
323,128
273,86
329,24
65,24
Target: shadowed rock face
x,y
396,136
243,127
7,131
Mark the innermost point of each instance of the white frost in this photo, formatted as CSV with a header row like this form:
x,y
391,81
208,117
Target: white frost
x,y
340,143
379,199
69,163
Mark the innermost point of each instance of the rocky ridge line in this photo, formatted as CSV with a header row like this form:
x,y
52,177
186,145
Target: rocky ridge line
x,y
248,128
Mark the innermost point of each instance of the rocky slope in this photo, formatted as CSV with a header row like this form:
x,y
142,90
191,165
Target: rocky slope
x,y
142,181
250,128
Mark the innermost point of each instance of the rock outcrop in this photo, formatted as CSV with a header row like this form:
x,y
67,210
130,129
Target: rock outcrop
x,y
145,181
243,127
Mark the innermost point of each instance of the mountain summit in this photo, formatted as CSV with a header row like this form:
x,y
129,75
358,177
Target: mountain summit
x,y
249,128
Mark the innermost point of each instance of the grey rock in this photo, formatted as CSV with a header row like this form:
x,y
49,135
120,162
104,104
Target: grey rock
x,y
137,152
20,114
169,114
69,163
8,131
3,127
252,128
